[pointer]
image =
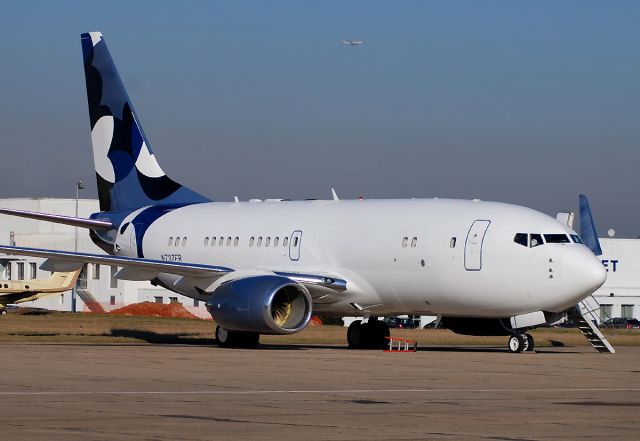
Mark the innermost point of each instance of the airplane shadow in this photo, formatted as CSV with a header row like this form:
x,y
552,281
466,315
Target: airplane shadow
x,y
187,339
156,338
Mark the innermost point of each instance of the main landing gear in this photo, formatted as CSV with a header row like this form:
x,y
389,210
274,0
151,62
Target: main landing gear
x,y
521,342
3,311
370,335
233,339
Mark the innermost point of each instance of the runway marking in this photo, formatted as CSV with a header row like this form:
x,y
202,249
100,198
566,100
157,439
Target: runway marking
x,y
317,391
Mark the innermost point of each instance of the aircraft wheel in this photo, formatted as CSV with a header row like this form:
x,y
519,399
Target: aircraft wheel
x,y
232,339
516,343
3,312
530,342
378,333
226,338
247,340
356,335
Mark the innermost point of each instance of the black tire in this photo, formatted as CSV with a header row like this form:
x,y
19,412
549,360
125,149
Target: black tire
x,y
378,333
232,339
355,335
530,342
247,340
516,343
3,312
225,338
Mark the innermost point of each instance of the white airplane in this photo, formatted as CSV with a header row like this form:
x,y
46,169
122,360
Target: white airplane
x,y
353,42
486,268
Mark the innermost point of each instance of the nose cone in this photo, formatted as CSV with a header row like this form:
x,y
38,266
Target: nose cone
x,y
584,273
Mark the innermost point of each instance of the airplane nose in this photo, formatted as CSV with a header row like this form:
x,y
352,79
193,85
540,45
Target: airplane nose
x,y
585,273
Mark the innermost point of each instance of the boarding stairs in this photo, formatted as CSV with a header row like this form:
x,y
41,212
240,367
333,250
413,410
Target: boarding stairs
x,y
585,318
90,301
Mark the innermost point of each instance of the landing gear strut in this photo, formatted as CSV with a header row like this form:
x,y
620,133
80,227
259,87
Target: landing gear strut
x,y
521,342
370,335
232,339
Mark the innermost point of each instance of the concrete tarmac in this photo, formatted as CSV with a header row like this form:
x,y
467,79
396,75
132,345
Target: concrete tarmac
x,y
183,392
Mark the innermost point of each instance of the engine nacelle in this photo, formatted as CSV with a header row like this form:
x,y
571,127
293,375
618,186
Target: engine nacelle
x,y
265,304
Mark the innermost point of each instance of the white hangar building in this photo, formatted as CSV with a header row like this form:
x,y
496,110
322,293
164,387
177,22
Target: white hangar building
x,y
97,288
620,294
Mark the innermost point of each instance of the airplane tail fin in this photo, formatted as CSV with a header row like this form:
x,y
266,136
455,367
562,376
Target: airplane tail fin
x,y
63,280
128,174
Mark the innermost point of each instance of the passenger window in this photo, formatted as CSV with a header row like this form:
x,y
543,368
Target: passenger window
x,y
452,242
259,241
556,238
285,242
177,242
275,241
213,241
235,242
267,242
414,241
170,240
404,242
221,242
206,241
521,238
535,240
228,241
251,241
184,241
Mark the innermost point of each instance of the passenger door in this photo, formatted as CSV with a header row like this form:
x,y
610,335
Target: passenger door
x,y
473,245
295,242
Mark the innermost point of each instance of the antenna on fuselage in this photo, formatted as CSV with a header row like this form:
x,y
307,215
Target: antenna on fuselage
x,y
334,195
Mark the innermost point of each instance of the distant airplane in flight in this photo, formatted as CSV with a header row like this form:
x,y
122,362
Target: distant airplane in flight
x,y
486,268
352,42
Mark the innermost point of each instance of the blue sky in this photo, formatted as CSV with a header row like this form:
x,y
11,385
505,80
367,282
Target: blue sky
x,y
528,103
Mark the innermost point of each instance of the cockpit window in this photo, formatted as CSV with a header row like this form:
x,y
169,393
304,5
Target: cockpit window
x,y
521,238
535,240
576,238
556,238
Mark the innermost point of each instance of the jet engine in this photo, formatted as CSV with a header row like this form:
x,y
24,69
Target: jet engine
x,y
266,304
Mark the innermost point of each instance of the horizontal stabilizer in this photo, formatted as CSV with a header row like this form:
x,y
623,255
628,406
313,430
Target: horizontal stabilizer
x,y
92,224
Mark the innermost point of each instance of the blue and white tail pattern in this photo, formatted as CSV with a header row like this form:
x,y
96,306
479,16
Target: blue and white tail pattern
x,y
128,174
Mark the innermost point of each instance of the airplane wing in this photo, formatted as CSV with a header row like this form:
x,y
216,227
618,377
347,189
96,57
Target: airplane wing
x,y
145,265
134,268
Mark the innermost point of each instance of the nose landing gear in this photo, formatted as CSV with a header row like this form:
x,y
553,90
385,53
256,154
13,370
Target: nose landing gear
x,y
521,342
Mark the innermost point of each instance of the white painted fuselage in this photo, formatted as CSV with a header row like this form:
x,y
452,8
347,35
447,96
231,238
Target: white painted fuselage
x,y
416,256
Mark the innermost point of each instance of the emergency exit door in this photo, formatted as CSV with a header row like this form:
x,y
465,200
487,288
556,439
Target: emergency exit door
x,y
473,245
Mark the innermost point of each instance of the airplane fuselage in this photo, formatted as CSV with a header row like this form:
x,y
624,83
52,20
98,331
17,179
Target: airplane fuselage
x,y
423,256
